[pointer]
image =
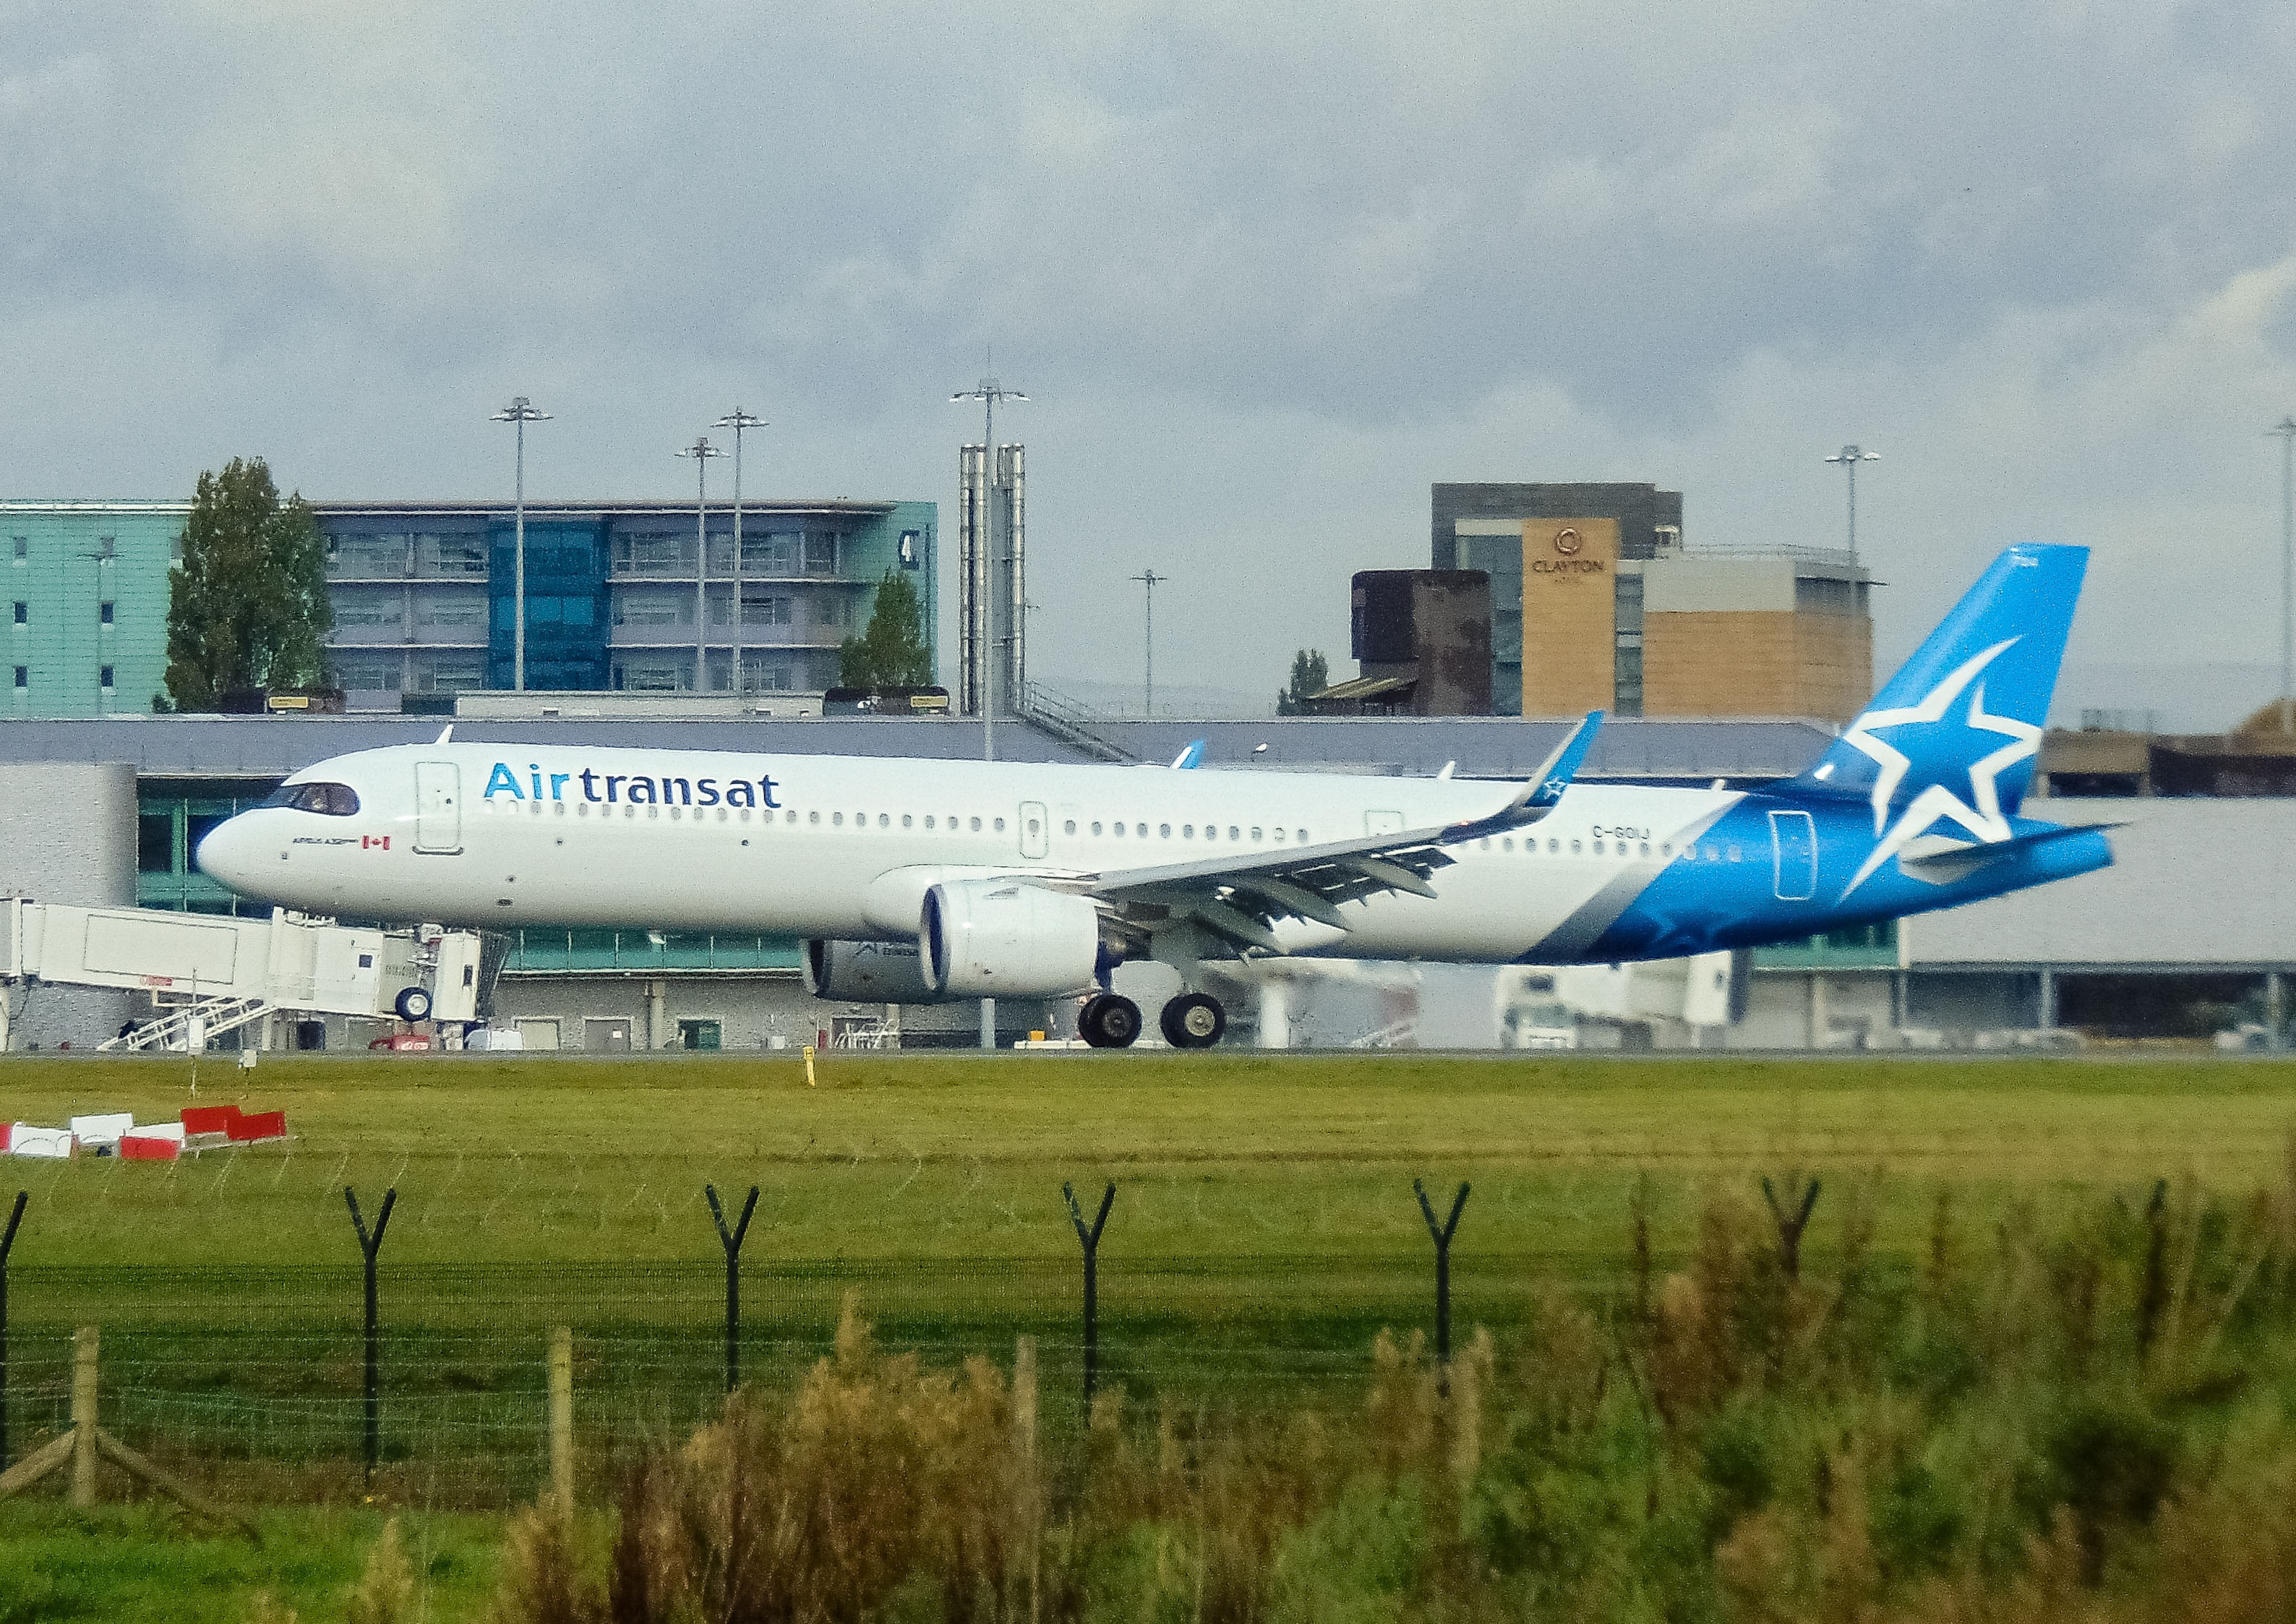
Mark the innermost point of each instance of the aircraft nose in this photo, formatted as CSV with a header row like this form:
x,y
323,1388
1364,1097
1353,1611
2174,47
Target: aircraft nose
x,y
227,852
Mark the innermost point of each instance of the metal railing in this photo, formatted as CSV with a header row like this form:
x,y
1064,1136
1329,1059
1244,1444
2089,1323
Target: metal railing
x,y
1073,723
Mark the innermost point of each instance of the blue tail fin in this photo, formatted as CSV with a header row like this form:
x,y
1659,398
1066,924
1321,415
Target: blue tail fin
x,y
1958,727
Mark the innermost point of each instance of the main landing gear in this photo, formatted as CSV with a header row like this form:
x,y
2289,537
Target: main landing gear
x,y
1194,1021
1110,1021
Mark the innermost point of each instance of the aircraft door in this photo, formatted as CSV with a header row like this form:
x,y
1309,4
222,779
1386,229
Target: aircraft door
x,y
1036,829
437,807
1793,856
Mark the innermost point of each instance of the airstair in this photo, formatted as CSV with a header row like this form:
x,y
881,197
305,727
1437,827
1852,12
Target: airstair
x,y
188,1026
210,974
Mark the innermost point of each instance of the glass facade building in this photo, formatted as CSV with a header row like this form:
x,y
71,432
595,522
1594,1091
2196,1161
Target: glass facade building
x,y
619,595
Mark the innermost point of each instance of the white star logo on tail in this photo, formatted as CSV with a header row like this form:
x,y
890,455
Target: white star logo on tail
x,y
1936,802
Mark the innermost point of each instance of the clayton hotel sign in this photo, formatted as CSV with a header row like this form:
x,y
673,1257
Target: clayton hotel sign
x,y
1569,615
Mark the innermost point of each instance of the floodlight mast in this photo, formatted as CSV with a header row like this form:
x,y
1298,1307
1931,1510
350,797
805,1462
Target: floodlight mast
x,y
521,412
988,392
1149,578
2284,432
738,421
1849,456
701,451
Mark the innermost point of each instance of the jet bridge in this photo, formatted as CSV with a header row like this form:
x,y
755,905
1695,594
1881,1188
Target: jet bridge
x,y
209,974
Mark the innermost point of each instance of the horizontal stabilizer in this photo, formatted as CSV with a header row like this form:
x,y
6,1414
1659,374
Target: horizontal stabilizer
x,y
1948,859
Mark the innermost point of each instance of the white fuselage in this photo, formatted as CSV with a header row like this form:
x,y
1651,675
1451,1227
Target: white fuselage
x,y
502,837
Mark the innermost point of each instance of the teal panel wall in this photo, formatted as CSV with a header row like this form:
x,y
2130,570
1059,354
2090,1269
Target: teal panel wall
x,y
54,561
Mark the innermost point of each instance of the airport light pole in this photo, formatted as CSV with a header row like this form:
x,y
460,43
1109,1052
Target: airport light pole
x,y
738,420
521,412
988,392
1149,578
2284,432
701,451
1849,456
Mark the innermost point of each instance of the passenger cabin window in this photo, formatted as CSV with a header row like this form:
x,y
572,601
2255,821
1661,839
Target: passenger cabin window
x,y
333,799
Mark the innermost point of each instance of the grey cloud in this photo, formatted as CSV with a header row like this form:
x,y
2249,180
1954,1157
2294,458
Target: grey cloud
x,y
1269,272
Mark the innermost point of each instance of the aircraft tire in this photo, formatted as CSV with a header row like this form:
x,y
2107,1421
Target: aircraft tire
x,y
414,1004
1108,1020
1194,1021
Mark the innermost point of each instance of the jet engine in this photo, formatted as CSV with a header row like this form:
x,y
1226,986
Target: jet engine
x,y
994,938
868,973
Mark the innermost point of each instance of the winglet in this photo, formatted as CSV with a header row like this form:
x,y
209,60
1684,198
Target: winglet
x,y
445,734
1543,790
1192,756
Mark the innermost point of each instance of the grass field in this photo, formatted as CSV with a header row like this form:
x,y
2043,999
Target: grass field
x,y
574,1161
1263,1230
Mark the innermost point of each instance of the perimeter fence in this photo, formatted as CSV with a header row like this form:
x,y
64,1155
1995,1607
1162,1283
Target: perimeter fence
x,y
252,1381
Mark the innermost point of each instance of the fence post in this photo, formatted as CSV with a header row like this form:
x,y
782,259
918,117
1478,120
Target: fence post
x,y
7,1245
561,1419
731,1240
1442,1235
83,1414
1090,1240
1791,1224
370,1243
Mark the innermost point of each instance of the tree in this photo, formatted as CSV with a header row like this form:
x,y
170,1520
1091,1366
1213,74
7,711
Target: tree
x,y
1311,673
891,653
248,606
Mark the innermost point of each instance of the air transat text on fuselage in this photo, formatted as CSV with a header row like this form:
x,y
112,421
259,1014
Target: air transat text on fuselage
x,y
641,789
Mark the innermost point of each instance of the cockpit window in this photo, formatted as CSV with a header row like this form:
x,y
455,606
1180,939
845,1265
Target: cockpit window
x,y
333,799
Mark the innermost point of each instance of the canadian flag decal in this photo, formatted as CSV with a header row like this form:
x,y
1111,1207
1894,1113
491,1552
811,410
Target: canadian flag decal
x,y
378,841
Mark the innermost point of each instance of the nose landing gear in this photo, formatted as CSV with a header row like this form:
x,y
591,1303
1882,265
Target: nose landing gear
x,y
1108,1020
1194,1021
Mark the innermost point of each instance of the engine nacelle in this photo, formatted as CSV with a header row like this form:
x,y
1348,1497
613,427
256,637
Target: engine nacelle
x,y
1008,939
868,973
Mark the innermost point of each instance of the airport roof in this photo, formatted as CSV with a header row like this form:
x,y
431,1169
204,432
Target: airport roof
x,y
1493,746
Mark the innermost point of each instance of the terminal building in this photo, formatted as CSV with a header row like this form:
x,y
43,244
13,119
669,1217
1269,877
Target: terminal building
x,y
620,596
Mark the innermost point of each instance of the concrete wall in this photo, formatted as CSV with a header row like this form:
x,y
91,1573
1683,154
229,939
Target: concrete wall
x,y
2199,883
750,1010
1814,1009
67,834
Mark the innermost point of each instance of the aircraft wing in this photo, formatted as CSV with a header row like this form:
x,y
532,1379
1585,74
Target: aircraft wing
x,y
1240,898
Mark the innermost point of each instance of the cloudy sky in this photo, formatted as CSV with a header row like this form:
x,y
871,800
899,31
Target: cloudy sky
x,y
1267,272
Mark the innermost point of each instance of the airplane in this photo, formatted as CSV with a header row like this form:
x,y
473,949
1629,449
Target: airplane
x,y
917,880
